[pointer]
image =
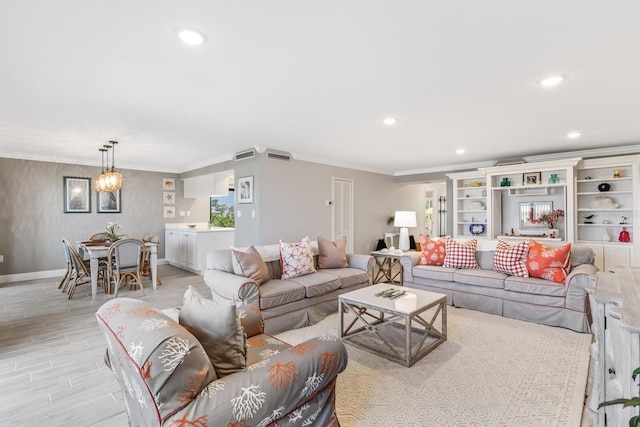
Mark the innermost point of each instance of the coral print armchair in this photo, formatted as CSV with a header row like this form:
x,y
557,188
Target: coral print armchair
x,y
170,376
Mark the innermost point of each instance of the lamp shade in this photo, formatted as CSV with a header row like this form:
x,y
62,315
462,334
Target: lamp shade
x,y
405,219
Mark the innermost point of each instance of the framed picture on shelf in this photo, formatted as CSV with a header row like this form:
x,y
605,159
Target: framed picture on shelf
x,y
108,201
245,186
77,195
532,178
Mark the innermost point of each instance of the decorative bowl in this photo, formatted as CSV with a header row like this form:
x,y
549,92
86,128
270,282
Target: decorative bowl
x,y
477,229
191,225
604,187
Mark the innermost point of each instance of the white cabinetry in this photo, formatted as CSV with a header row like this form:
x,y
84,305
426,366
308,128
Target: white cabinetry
x,y
188,249
607,207
214,184
470,205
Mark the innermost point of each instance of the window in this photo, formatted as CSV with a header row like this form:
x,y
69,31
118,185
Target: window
x,y
222,211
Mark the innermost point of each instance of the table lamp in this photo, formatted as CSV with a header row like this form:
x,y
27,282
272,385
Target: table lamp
x,y
404,219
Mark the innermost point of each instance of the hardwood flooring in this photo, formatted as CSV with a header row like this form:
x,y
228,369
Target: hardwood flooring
x,y
51,351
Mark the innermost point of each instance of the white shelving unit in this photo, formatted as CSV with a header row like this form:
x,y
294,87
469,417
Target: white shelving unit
x,y
599,225
470,206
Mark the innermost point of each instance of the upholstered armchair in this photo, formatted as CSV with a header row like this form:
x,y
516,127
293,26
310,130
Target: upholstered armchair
x,y
167,379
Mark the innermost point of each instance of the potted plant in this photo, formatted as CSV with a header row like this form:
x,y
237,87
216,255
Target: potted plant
x,y
112,231
634,401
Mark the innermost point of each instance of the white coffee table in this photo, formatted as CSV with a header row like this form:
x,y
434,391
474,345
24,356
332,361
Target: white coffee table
x,y
379,325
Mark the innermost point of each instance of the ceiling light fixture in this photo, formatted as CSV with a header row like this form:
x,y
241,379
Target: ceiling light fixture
x,y
574,135
109,179
190,37
552,81
390,121
460,151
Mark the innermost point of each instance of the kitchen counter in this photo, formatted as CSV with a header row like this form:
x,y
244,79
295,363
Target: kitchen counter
x,y
187,247
199,228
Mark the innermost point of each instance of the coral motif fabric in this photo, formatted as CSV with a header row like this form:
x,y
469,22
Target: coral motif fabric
x,y
549,263
296,259
511,260
460,255
433,251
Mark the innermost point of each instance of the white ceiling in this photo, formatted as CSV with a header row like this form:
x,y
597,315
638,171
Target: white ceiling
x,y
316,78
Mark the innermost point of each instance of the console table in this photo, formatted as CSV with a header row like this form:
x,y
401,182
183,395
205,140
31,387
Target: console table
x,y
386,263
615,307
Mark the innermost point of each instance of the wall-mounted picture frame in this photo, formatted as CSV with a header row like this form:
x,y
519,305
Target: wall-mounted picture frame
x,y
77,195
169,197
245,189
169,184
108,202
169,211
532,178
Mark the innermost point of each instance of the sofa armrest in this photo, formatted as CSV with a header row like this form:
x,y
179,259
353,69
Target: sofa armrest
x,y
230,287
362,262
407,261
581,277
269,390
251,320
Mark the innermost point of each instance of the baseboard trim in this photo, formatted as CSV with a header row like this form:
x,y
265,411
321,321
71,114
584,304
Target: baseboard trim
x,y
23,277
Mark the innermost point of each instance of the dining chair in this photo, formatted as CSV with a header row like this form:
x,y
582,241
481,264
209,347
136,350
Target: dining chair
x,y
68,273
80,272
146,267
125,260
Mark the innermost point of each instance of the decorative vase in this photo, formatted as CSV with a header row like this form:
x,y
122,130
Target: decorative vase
x,y
624,235
553,179
505,182
606,237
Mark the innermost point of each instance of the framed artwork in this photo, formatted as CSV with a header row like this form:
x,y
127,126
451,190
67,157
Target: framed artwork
x,y
532,178
169,211
169,197
169,184
245,187
109,201
77,195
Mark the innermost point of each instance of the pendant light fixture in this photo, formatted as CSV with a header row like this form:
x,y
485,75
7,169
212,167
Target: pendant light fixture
x,y
109,179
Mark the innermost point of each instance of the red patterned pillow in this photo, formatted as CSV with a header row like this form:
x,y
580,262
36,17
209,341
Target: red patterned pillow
x,y
433,251
296,259
511,260
549,263
460,255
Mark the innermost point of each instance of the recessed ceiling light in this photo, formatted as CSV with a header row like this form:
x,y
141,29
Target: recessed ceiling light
x,y
551,81
390,121
460,151
574,135
190,37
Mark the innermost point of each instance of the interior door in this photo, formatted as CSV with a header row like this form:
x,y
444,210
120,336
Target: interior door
x,y
342,211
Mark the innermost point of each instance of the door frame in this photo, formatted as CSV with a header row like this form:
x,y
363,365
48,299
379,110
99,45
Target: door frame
x,y
350,237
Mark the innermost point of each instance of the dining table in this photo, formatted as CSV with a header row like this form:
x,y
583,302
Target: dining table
x,y
95,250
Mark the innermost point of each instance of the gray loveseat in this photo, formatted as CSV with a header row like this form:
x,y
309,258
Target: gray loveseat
x,y
530,299
291,303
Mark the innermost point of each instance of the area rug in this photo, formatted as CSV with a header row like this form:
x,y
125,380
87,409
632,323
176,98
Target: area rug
x,y
491,371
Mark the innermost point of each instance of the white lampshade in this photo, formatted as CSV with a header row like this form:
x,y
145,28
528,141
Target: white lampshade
x,y
404,219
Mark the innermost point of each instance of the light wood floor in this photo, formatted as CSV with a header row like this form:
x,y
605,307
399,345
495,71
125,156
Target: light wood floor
x,y
52,371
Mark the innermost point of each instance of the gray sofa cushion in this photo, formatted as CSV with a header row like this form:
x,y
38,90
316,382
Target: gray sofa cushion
x,y
351,276
485,259
277,292
581,254
484,278
532,285
318,283
434,272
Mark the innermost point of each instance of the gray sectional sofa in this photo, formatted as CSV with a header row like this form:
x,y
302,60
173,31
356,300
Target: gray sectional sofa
x,y
291,303
530,299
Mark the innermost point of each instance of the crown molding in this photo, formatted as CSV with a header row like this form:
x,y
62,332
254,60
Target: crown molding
x,y
585,154
447,168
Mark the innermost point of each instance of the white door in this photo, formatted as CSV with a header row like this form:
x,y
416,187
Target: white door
x,y
343,210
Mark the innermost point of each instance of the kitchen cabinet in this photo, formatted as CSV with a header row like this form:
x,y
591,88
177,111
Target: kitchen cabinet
x,y
188,249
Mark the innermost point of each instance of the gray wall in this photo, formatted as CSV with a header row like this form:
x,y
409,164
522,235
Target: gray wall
x,y
32,222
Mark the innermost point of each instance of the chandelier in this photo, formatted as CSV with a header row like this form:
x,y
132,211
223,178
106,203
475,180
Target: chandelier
x,y
110,179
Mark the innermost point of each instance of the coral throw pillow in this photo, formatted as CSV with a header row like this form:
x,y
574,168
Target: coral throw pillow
x,y
549,263
511,260
433,251
460,255
332,254
296,259
250,264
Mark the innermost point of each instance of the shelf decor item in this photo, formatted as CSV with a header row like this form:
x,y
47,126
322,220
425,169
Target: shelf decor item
x,y
624,235
553,179
477,229
505,182
532,178
617,173
604,187
550,218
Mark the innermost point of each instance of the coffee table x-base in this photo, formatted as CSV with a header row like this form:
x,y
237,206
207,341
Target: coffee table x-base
x,y
377,324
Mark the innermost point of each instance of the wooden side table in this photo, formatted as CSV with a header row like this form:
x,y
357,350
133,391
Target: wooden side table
x,y
386,262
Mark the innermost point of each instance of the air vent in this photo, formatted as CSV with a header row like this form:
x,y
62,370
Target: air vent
x,y
243,155
277,156
510,161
